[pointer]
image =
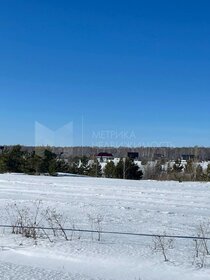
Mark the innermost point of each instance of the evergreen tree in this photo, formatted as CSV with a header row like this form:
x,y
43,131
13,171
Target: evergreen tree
x,y
74,165
48,164
32,164
127,169
14,159
190,171
208,172
177,170
189,168
95,169
132,170
83,166
157,170
52,168
119,169
109,170
74,169
62,166
3,163
199,173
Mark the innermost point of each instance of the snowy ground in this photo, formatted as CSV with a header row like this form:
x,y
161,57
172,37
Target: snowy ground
x,y
128,206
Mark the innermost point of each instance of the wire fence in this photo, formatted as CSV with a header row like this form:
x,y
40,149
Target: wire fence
x,y
109,232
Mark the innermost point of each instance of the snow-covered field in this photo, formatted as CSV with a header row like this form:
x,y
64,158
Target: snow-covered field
x,y
127,206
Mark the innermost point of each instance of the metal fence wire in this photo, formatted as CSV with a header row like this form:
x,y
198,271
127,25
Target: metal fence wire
x,y
109,232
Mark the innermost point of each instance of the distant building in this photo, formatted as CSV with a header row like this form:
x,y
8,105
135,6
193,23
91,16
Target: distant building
x,y
133,155
104,157
158,156
188,157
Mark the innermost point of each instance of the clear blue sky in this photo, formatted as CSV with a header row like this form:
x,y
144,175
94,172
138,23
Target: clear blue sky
x,y
139,67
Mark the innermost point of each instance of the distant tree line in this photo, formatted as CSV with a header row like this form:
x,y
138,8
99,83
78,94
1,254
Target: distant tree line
x,y
45,161
124,169
16,160
145,153
178,171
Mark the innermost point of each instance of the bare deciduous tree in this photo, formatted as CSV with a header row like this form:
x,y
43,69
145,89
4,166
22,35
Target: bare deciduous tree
x,y
162,245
